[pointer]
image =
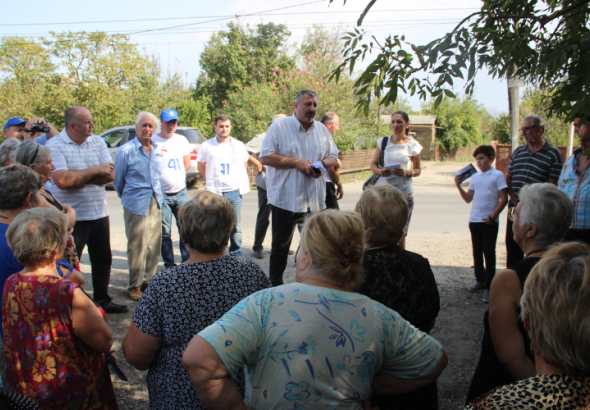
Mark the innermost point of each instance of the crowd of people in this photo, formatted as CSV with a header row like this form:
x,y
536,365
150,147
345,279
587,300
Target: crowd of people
x,y
216,332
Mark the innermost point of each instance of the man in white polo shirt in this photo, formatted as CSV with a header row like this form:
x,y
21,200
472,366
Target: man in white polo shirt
x,y
176,154
82,168
223,161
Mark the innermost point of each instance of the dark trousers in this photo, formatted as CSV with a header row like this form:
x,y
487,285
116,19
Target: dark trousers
x,y
580,235
96,234
283,226
262,220
483,239
331,199
513,252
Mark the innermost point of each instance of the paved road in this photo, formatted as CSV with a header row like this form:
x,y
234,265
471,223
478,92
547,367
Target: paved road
x,y
440,218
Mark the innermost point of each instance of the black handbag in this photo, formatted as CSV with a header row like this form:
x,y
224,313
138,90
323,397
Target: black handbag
x,y
372,180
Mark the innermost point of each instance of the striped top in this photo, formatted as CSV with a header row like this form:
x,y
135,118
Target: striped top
x,y
89,201
577,187
290,189
529,168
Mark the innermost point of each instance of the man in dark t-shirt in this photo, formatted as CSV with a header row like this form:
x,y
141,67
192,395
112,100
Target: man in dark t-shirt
x,y
536,161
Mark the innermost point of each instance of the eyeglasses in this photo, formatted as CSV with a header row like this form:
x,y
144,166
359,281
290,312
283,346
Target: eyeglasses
x,y
512,214
525,129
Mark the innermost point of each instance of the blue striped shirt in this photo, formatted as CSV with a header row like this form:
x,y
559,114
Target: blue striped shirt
x,y
529,168
577,187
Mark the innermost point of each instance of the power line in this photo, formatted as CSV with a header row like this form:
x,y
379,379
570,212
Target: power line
x,y
262,13
227,18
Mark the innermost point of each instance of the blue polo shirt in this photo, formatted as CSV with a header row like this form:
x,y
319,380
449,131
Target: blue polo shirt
x,y
137,176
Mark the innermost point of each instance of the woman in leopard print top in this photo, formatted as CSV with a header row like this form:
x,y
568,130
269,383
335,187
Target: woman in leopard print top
x,y
555,307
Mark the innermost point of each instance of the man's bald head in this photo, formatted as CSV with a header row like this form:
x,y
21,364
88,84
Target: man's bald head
x,y
74,114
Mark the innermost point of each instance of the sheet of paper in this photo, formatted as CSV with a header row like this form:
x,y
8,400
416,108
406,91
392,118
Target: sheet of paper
x,y
392,167
319,165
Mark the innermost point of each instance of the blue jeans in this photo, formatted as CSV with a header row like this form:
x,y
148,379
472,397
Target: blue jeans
x,y
235,239
170,206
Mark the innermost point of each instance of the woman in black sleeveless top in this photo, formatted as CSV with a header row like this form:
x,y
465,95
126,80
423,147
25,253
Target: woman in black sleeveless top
x,y
542,218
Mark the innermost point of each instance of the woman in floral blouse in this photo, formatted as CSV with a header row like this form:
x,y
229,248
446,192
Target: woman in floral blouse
x,y
55,339
314,343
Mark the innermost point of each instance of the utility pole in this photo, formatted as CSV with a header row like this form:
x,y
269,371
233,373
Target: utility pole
x,y
514,85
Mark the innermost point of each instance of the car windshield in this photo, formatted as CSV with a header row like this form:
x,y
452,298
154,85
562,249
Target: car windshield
x,y
193,135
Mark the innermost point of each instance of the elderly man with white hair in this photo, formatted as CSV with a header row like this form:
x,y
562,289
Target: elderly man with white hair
x,y
137,182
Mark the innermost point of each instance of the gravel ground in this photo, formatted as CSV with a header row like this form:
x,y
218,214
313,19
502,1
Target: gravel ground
x,y
458,327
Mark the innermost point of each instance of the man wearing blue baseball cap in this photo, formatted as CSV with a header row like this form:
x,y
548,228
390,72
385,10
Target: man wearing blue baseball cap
x,y
176,153
14,128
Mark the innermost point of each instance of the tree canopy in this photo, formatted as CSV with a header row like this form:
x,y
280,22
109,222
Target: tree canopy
x,y
240,57
542,42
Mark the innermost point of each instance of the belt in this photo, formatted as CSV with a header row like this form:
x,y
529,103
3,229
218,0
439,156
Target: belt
x,y
174,193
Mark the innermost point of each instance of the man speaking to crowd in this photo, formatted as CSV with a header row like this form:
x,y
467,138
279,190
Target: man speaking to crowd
x,y
294,186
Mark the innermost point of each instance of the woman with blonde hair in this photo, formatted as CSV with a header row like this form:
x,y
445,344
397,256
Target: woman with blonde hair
x,y
314,342
55,338
555,306
399,279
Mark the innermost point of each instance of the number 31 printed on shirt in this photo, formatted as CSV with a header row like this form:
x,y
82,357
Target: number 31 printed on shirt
x,y
174,163
225,169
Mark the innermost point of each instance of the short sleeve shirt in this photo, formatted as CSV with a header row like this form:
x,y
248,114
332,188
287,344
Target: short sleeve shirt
x,y
178,304
173,152
88,201
486,187
225,165
529,168
309,347
400,154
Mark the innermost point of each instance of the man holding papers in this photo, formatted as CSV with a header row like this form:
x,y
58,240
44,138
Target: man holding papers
x,y
294,150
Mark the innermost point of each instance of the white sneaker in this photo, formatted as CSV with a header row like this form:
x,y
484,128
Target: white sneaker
x,y
486,296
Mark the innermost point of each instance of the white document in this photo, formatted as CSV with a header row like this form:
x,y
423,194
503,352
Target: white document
x,y
392,167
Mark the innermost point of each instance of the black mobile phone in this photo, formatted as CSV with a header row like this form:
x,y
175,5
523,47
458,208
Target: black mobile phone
x,y
316,170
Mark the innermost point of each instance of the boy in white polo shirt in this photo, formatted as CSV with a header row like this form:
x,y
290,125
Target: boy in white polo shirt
x,y
223,161
489,193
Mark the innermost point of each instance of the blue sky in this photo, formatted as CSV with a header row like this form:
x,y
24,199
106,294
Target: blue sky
x,y
179,48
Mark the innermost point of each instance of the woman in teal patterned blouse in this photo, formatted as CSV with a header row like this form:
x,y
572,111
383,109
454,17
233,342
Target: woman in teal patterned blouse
x,y
313,343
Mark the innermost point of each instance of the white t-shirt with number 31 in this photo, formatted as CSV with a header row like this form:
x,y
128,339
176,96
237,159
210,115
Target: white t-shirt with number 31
x,y
173,150
225,165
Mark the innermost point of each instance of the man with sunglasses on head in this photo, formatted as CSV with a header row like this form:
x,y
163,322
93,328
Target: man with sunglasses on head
x,y
535,161
176,160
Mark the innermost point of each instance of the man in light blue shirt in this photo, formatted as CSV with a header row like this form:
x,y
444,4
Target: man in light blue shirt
x,y
137,182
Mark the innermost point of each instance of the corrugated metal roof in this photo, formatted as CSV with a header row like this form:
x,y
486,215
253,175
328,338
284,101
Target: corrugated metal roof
x,y
414,119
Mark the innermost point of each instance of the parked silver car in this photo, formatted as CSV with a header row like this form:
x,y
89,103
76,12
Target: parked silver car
x,y
119,136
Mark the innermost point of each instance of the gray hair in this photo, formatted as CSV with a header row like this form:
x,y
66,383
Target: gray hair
x,y
16,183
311,93
5,149
35,234
29,153
143,114
328,117
547,207
536,120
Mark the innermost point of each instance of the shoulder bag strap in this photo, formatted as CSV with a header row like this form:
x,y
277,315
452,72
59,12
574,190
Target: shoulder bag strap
x,y
384,142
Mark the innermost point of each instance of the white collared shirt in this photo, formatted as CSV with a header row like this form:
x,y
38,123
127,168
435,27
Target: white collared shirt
x,y
289,189
89,200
